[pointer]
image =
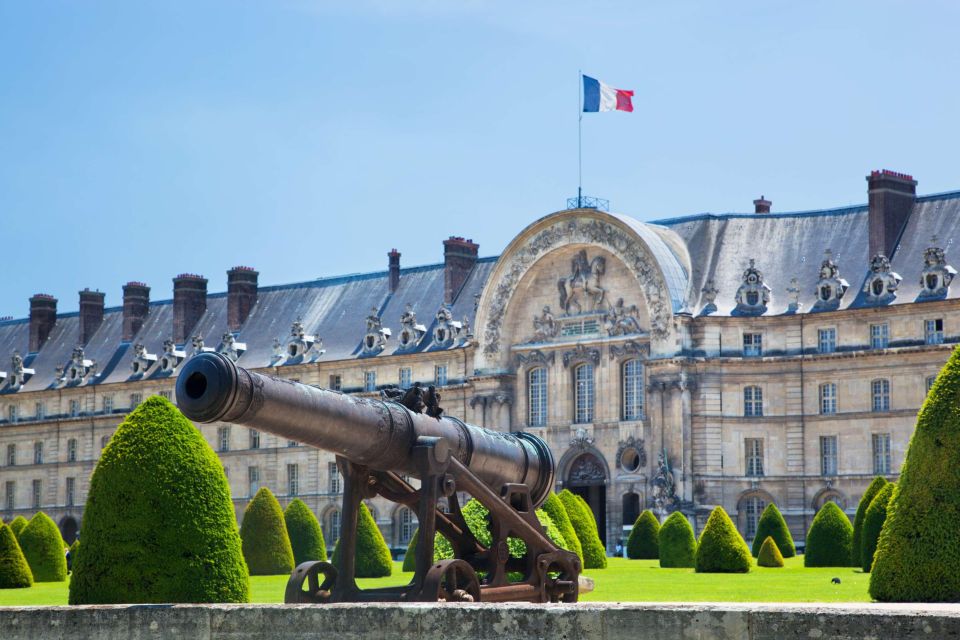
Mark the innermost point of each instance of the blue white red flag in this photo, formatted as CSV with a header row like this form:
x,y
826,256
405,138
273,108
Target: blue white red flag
x,y
598,96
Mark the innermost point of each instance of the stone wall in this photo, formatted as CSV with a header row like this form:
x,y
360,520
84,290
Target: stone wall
x,y
504,622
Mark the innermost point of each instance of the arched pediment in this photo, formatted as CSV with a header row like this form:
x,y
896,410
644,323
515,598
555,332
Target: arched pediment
x,y
658,272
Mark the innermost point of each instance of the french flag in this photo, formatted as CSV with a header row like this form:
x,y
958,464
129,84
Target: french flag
x,y
598,96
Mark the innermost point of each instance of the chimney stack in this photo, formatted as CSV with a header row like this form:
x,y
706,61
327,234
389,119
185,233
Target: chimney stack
x,y
136,306
393,263
241,295
762,205
43,315
459,256
189,304
91,314
891,196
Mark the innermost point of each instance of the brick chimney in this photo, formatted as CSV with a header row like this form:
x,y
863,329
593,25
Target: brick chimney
x,y
91,314
43,315
459,256
891,196
241,295
762,205
189,304
393,264
136,306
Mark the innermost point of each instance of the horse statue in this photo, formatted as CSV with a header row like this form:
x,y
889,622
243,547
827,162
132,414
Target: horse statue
x,y
583,283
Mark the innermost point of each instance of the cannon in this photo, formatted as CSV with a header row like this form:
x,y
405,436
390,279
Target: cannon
x,y
380,442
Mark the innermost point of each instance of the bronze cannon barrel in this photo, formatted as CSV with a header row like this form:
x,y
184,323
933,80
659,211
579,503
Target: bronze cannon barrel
x,y
375,433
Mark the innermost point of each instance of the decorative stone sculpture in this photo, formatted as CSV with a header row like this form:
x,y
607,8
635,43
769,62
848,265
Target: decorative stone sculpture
x,y
18,375
664,487
582,283
581,439
621,320
377,335
586,470
753,295
301,346
882,283
447,329
535,357
410,331
709,292
198,347
580,354
171,358
545,327
142,361
937,275
230,347
78,369
793,293
830,286
629,349
636,457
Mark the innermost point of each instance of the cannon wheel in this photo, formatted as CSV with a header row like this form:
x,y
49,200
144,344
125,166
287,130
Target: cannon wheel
x,y
317,592
452,581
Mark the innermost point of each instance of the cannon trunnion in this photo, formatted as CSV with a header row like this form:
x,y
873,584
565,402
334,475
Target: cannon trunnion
x,y
376,442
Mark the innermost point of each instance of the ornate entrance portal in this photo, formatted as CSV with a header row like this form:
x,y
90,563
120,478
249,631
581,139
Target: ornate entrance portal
x,y
587,479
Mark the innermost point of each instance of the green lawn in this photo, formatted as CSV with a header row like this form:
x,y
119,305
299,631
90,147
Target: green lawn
x,y
623,581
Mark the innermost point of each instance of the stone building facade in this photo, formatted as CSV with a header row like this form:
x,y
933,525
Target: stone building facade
x,y
733,360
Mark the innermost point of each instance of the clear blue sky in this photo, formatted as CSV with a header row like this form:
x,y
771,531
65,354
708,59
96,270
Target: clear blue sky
x,y
140,140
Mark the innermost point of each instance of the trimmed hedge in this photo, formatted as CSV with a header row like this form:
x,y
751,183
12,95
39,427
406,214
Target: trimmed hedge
x,y
17,525
721,549
14,570
678,545
772,524
159,524
642,544
306,537
918,554
873,524
554,508
829,538
43,548
770,555
856,555
372,556
584,525
266,543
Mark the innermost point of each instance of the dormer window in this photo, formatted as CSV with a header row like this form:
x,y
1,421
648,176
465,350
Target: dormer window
x,y
377,335
447,328
753,296
171,358
830,287
937,275
882,283
77,370
410,330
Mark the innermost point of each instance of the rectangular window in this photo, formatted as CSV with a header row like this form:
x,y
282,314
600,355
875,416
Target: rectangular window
x,y
293,480
752,345
828,455
440,375
827,340
166,394
583,394
71,491
71,450
108,404
40,410
828,398
632,384
930,381
537,397
254,439
293,443
881,454
253,480
38,452
334,475
37,493
369,380
12,413
11,455
754,456
752,401
10,498
135,400
223,438
336,383
933,331
74,408
405,377
881,395
879,336
753,508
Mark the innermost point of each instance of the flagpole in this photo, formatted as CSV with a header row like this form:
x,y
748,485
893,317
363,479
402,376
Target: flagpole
x,y
579,139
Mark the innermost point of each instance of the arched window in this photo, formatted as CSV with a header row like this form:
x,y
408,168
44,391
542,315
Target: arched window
x,y
333,526
881,394
752,507
537,397
72,450
828,398
583,398
405,525
752,401
631,379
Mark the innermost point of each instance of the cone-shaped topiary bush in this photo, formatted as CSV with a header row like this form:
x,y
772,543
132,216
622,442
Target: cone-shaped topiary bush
x,y
642,544
266,544
721,549
918,554
14,570
829,538
770,555
43,548
306,537
772,524
584,525
159,524
17,525
856,556
554,508
873,524
410,559
373,556
678,545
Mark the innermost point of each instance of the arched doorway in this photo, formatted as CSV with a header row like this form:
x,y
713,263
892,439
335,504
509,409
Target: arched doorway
x,y
69,529
587,478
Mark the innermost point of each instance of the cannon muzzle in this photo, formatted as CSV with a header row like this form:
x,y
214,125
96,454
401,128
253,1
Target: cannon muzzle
x,y
375,433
